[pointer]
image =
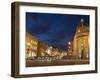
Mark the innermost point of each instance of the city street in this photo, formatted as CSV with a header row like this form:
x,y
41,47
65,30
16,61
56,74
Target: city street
x,y
34,63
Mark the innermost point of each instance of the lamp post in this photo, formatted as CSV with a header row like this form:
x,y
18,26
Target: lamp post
x,y
69,48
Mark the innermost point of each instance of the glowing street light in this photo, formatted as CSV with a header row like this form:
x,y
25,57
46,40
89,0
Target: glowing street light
x,y
69,43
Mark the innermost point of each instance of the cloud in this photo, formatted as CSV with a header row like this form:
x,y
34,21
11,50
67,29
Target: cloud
x,y
41,29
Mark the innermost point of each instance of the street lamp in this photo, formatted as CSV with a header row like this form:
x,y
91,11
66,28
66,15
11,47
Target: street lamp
x,y
69,43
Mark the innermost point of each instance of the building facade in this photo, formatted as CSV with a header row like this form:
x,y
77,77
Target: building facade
x,y
31,45
42,47
81,41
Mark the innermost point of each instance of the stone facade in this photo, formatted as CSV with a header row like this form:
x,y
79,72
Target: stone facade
x,y
31,45
81,41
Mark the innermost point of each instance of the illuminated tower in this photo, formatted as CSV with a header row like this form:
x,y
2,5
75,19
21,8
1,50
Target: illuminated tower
x,y
81,41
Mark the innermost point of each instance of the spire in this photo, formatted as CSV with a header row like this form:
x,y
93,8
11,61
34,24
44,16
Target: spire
x,y
82,21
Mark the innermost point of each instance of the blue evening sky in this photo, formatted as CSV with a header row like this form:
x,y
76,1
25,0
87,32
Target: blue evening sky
x,y
53,29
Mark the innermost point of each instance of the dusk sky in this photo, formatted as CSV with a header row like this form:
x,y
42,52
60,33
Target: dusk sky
x,y
53,29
